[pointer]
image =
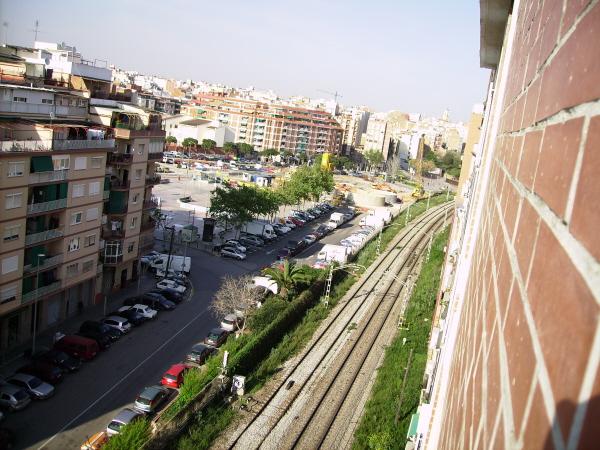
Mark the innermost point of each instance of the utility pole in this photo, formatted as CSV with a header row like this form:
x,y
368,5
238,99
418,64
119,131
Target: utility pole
x,y
35,304
406,219
397,417
172,229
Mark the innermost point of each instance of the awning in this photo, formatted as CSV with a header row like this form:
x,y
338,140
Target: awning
x,y
41,164
412,428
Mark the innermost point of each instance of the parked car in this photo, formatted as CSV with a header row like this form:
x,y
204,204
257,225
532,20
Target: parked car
x,y
132,316
118,323
320,264
279,230
296,221
288,223
92,328
125,416
216,337
331,225
157,301
200,352
310,239
150,399
144,310
170,294
174,376
96,442
283,253
230,252
13,397
60,359
169,284
231,322
321,231
47,372
149,257
35,387
78,347
235,244
251,240
296,246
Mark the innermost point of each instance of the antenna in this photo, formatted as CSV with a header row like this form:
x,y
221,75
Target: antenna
x,y
5,26
36,30
335,94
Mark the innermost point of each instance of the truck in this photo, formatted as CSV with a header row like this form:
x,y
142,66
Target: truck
x,y
337,253
337,217
176,264
261,229
372,221
382,212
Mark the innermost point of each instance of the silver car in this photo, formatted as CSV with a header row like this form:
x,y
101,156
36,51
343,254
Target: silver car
x,y
150,399
13,397
231,252
118,323
32,385
125,417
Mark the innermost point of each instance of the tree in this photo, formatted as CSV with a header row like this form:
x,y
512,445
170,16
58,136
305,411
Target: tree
x,y
244,149
236,293
189,142
171,140
374,158
230,148
208,144
289,278
269,152
426,165
230,205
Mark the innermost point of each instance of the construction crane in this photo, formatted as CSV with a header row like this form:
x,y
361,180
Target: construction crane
x,y
335,94
419,191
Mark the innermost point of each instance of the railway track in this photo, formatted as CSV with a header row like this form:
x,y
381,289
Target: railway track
x,y
301,412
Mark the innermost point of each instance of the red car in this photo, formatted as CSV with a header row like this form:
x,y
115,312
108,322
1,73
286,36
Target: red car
x,y
47,372
296,222
174,376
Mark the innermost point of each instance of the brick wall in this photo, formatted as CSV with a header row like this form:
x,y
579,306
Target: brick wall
x,y
523,370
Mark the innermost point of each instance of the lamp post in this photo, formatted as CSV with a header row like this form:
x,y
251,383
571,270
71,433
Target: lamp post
x,y
35,302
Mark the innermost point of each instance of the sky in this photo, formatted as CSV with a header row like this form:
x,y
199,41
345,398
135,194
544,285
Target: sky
x,y
408,55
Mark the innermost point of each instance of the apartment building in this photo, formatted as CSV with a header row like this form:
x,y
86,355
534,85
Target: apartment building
x,y
514,356
266,125
127,225
353,123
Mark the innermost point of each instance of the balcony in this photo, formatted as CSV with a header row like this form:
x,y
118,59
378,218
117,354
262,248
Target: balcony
x,y
119,158
48,177
46,145
36,238
155,156
36,208
109,233
111,260
152,179
45,264
41,292
124,133
119,185
117,209
84,144
147,226
150,204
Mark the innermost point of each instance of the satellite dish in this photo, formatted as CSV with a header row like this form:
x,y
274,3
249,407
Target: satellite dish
x,y
47,61
52,115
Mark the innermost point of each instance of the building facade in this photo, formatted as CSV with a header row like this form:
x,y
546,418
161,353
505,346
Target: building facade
x,y
515,349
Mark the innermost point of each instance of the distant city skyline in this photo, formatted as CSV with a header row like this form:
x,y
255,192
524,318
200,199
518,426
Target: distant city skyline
x,y
386,55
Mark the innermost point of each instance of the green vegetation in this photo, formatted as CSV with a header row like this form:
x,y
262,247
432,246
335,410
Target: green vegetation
x,y
171,140
230,148
378,428
132,436
290,278
374,158
244,150
208,144
189,142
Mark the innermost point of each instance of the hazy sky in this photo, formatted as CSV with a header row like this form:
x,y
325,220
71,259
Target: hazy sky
x,y
409,55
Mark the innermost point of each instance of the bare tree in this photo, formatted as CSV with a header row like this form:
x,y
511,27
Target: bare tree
x,y
236,294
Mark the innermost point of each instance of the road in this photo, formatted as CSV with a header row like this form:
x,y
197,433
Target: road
x,y
86,401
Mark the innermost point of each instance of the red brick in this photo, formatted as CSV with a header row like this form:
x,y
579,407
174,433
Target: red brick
x,y
520,106
525,237
585,220
574,8
520,355
516,151
533,61
565,315
531,102
572,77
493,386
505,278
529,158
550,23
537,431
511,208
560,147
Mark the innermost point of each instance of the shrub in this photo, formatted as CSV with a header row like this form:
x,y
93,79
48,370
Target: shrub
x,y
131,437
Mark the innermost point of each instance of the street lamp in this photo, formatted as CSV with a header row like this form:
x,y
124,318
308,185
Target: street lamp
x,y
35,302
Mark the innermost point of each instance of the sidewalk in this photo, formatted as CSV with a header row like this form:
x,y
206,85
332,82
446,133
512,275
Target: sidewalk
x,y
15,358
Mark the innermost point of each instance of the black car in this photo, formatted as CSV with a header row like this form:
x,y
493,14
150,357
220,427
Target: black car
x,y
169,294
131,315
157,301
321,231
60,359
296,246
99,328
45,371
200,352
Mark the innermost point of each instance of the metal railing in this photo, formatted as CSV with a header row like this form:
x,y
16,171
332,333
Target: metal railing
x,y
74,144
44,264
119,158
40,292
152,179
47,206
155,156
45,145
108,233
109,260
119,184
35,238
45,177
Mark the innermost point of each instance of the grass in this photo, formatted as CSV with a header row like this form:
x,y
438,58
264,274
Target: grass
x,y
378,429
217,417
133,435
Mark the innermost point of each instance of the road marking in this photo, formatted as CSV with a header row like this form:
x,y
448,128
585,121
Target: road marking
x,y
122,380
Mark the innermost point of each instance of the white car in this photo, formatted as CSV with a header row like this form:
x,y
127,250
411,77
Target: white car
x,y
118,323
170,284
288,223
231,252
231,322
32,385
310,239
332,225
235,244
143,310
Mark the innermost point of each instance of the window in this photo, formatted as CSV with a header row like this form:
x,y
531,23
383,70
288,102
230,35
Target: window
x,y
94,188
8,294
73,244
73,269
81,163
78,190
91,214
10,264
133,222
135,198
47,101
89,240
20,99
13,200
96,162
76,218
60,162
16,168
138,174
87,266
80,102
141,148
11,232
130,247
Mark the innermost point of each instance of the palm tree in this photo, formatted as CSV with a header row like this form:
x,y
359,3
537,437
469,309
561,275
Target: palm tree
x,y
288,278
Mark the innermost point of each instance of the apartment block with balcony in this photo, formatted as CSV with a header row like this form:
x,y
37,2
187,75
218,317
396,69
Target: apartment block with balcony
x,y
51,198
